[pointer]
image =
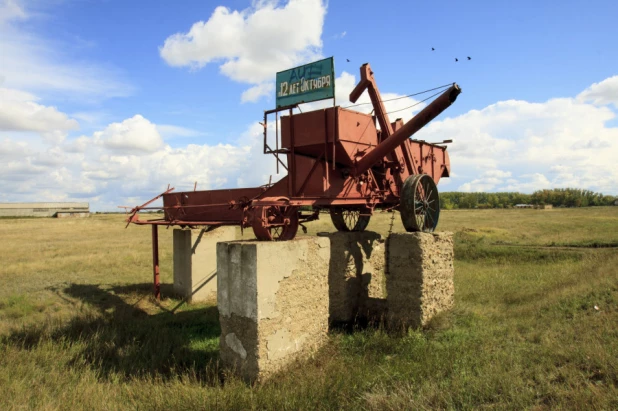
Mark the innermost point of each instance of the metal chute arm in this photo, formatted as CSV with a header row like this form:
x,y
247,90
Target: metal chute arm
x,y
367,82
360,87
134,216
407,130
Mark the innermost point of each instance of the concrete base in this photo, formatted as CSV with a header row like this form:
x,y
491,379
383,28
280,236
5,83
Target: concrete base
x,y
195,264
419,282
356,279
273,303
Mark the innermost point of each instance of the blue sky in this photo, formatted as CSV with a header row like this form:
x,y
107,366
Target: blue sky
x,y
108,101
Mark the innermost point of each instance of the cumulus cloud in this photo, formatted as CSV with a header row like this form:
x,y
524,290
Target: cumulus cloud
x,y
253,44
528,140
135,135
603,93
254,93
20,112
127,163
10,148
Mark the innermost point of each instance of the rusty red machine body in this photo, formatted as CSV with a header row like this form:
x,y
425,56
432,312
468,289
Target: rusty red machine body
x,y
337,159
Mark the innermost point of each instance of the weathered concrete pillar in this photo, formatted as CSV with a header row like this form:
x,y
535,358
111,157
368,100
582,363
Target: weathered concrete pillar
x,y
356,280
273,302
195,262
419,282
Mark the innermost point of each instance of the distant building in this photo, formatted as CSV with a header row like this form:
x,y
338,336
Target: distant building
x,y
523,206
59,210
616,202
543,206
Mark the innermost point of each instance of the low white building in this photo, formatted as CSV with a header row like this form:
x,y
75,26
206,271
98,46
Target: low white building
x,y
44,210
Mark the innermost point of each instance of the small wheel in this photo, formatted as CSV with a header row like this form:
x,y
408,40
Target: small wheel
x,y
420,203
284,220
349,219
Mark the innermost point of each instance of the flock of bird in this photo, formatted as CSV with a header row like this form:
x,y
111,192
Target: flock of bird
x,y
456,59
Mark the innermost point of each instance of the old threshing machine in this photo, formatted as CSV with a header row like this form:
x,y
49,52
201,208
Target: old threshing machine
x,y
337,160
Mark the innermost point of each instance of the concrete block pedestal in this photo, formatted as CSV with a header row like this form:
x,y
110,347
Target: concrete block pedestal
x,y
419,282
195,262
276,299
273,303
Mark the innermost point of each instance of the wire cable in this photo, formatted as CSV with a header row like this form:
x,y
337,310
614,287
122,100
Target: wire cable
x,y
400,97
416,104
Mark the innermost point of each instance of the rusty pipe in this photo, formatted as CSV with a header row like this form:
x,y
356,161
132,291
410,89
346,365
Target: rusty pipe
x,y
409,129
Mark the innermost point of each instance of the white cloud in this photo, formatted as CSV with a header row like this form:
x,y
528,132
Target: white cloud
x,y
253,44
603,93
487,181
135,135
254,93
77,145
19,112
7,94
529,140
127,163
11,149
496,174
531,182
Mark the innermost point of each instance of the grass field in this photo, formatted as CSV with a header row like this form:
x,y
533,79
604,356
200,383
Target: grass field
x,y
535,324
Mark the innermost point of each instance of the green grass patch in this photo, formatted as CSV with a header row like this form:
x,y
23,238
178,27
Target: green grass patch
x,y
16,306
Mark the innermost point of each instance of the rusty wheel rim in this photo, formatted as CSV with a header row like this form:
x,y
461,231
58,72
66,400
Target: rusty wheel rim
x,y
286,218
351,217
420,204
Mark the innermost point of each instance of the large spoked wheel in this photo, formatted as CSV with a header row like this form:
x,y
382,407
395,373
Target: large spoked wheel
x,y
420,204
350,219
275,223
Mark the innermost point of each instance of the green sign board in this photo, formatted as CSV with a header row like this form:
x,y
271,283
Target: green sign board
x,y
311,82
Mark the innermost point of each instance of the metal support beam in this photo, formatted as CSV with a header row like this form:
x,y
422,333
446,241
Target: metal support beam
x,y
155,262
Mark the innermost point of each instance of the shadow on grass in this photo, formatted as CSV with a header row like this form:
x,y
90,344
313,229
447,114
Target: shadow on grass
x,y
120,339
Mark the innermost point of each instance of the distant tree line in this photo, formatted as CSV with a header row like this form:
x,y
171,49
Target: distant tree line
x,y
571,197
557,197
